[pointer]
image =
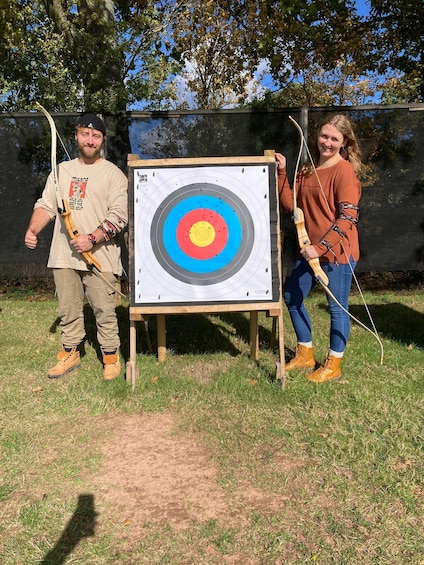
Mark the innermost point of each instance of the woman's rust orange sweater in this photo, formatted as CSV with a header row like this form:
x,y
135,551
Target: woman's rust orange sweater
x,y
331,225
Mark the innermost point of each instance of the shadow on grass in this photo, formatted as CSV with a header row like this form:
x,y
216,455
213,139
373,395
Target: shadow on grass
x,y
81,525
393,321
185,333
192,333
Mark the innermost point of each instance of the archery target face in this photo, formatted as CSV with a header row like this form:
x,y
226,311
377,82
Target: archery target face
x,y
202,234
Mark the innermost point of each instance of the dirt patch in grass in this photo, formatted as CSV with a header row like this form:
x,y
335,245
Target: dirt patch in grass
x,y
153,474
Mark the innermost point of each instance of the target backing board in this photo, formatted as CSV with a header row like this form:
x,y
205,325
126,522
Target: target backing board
x,y
203,234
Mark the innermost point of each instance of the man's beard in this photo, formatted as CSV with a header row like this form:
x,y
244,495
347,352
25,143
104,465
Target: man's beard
x,y
89,153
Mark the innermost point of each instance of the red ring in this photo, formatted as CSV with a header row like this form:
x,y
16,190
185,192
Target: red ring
x,y
202,215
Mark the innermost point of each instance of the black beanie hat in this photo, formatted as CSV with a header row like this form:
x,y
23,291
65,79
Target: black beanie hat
x,y
91,121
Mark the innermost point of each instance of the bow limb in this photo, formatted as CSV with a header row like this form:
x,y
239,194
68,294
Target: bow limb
x,y
62,205
299,217
303,239
53,146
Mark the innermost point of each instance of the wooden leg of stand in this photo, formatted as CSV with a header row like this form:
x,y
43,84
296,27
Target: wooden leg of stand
x,y
131,364
161,328
254,335
273,333
145,320
281,370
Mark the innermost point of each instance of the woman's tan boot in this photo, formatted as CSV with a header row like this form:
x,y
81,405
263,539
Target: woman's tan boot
x,y
304,358
329,371
68,361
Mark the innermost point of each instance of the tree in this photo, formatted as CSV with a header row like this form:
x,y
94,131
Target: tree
x,y
109,56
318,52
209,44
316,87
398,28
313,52
89,54
295,35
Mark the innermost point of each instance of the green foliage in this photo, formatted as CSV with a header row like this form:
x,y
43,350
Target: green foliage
x,y
398,29
109,56
80,55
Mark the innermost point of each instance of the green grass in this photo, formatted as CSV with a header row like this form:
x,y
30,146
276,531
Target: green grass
x,y
340,464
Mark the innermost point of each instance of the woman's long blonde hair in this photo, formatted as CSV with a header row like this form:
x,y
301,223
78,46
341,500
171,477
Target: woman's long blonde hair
x,y
350,151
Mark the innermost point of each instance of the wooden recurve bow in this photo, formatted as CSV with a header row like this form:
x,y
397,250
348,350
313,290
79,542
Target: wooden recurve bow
x,y
299,218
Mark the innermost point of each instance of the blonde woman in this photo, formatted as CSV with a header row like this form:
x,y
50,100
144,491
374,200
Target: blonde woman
x,y
328,192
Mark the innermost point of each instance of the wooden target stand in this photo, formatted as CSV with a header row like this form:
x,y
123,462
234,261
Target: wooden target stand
x,y
140,313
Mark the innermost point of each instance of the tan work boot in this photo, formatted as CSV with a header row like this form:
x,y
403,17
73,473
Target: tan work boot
x,y
329,371
304,358
111,367
68,361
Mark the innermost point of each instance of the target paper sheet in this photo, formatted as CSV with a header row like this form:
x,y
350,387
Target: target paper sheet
x,y
201,235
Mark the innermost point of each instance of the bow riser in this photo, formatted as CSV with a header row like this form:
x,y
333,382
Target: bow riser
x,y
303,239
74,233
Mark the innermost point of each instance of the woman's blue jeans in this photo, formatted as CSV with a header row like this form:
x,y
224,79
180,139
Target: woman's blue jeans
x,y
301,282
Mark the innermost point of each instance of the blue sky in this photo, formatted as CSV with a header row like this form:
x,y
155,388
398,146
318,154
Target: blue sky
x,y
362,6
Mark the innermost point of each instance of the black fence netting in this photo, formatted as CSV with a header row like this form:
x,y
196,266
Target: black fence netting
x,y
391,139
